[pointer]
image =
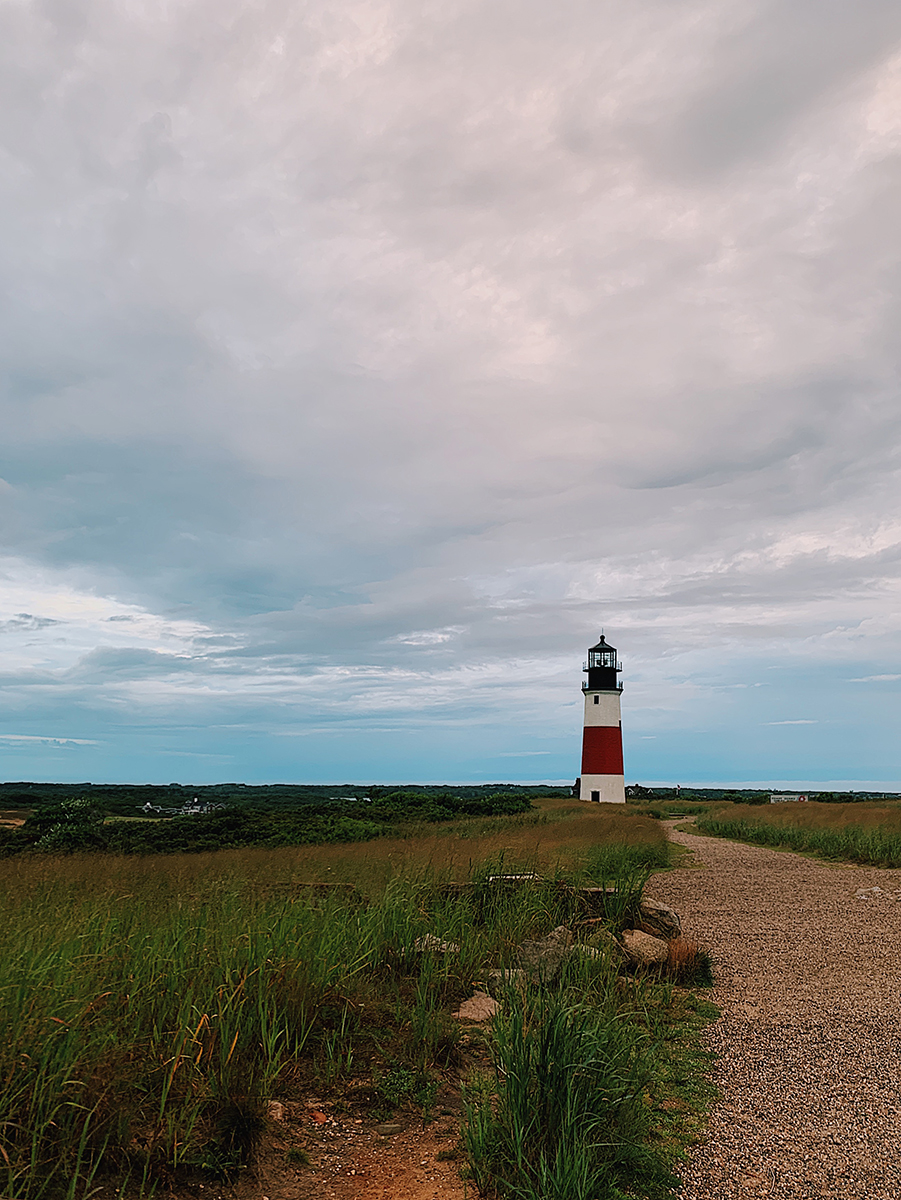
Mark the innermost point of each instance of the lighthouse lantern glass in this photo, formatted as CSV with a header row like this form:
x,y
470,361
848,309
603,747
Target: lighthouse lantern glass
x,y
602,658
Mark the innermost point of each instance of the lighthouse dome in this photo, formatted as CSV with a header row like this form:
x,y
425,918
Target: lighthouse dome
x,y
602,668
602,655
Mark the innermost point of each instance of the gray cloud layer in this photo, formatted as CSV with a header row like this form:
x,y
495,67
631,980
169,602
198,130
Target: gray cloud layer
x,y
361,360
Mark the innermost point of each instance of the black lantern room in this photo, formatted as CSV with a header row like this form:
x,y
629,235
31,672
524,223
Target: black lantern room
x,y
602,669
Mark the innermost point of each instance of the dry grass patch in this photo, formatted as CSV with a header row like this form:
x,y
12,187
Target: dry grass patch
x,y
814,815
556,836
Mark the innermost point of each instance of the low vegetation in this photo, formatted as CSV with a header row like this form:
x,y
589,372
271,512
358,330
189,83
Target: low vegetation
x,y
125,800
580,1102
154,1004
79,824
862,833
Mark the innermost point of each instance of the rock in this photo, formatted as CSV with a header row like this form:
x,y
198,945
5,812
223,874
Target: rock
x,y
659,920
643,949
387,1128
606,945
275,1110
544,959
869,893
436,945
479,1007
499,981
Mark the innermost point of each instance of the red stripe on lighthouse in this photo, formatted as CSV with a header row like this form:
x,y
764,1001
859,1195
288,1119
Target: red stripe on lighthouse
x,y
602,750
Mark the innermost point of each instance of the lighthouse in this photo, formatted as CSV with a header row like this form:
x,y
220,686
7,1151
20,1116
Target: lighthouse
x,y
602,732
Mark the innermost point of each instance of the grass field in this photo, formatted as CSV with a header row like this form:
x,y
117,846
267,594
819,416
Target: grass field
x,y
862,833
152,1005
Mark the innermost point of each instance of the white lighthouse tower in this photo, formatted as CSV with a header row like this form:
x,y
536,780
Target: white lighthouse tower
x,y
602,732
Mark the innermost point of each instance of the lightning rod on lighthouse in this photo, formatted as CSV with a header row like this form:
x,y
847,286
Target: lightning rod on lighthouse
x,y
602,731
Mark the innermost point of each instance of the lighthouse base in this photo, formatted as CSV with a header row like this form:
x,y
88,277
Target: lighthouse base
x,y
603,789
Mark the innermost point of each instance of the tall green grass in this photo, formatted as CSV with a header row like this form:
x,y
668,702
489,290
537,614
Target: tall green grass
x,y
836,832
145,1034
151,1007
565,1116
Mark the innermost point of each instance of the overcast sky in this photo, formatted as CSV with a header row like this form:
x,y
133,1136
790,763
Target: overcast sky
x,y
363,359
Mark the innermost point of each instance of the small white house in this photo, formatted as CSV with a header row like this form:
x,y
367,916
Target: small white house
x,y
788,798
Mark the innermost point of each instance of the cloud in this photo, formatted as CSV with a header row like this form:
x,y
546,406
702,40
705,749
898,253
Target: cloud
x,y
769,71
364,363
426,637
50,741
522,753
26,623
105,663
801,722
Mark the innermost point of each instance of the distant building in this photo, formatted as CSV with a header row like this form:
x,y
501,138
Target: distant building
x,y
788,797
196,807
636,792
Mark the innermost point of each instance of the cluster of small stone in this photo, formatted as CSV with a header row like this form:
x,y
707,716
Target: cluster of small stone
x,y
542,960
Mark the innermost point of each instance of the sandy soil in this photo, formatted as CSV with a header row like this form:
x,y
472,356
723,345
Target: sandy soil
x,y
809,1044
352,1161
351,1155
348,1160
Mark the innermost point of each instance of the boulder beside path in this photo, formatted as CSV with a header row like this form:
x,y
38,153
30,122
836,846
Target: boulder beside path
x,y
643,949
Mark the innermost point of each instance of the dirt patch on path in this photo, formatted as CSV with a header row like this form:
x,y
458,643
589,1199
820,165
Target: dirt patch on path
x,y
808,978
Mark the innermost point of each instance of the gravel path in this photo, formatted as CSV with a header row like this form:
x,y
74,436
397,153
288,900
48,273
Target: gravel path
x,y
808,979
